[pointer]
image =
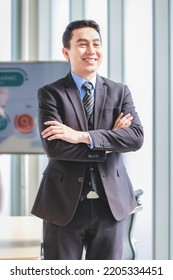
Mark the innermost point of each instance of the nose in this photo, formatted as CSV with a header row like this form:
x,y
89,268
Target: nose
x,y
91,49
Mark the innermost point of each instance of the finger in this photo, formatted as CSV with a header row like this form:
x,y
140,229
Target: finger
x,y
52,123
126,119
52,126
47,130
119,117
127,116
131,118
53,137
51,131
48,134
127,124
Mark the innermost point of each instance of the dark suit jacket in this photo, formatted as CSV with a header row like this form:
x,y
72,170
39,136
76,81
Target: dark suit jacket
x,y
61,185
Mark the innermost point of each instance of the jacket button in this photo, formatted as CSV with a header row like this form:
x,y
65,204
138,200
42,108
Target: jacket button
x,y
80,179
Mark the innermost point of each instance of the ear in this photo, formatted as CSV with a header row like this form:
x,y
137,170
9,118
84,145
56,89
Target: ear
x,y
65,53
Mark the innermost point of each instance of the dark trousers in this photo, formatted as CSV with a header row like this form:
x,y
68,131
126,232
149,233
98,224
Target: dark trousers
x,y
93,227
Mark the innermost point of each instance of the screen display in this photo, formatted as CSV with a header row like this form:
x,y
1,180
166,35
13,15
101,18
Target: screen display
x,y
19,83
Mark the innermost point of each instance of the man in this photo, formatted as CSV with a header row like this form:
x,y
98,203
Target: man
x,y
85,192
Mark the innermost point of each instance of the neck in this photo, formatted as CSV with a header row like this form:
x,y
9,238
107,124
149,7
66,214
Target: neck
x,y
86,77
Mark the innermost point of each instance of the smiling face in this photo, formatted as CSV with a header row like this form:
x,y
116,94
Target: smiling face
x,y
85,52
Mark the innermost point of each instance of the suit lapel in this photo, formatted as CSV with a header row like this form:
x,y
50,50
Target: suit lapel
x,y
75,99
100,98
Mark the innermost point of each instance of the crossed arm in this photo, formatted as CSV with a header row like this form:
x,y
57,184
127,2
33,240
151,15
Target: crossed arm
x,y
57,130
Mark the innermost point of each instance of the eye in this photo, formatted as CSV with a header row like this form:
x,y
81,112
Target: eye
x,y
82,44
97,45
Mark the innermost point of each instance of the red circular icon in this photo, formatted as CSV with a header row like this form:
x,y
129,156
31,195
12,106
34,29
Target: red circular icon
x,y
24,123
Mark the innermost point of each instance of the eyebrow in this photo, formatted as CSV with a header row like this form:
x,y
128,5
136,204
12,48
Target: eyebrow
x,y
83,39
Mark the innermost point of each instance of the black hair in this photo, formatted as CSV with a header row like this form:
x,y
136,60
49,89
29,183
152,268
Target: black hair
x,y
68,33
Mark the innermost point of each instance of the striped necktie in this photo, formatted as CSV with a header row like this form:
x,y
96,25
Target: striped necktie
x,y
88,99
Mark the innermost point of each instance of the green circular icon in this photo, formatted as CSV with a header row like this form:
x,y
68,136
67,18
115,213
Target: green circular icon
x,y
4,119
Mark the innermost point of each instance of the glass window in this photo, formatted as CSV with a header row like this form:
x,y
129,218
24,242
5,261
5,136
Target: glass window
x,y
101,17
5,55
5,30
138,76
59,20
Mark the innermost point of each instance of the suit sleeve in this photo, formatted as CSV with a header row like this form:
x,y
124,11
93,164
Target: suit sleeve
x,y
123,139
51,108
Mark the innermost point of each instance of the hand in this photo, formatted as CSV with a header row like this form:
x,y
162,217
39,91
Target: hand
x,y
57,130
123,121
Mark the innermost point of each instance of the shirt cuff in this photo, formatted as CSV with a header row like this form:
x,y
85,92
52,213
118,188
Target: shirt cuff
x,y
91,145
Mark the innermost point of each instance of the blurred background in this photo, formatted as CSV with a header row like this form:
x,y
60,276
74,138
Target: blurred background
x,y
138,51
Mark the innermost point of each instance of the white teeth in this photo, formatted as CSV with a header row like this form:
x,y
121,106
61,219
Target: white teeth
x,y
90,59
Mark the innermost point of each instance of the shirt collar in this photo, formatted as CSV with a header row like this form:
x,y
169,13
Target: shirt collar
x,y
79,80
